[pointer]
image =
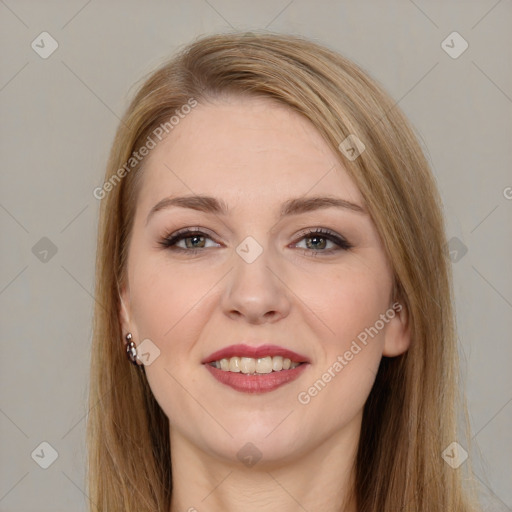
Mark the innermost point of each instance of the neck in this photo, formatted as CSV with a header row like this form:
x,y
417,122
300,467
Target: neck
x,y
321,479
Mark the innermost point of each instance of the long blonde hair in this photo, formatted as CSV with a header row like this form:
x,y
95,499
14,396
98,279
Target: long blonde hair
x,y
410,415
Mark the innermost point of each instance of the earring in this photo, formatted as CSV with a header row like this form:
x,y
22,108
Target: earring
x,y
131,349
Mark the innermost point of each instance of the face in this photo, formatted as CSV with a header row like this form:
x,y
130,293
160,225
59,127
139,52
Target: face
x,y
314,281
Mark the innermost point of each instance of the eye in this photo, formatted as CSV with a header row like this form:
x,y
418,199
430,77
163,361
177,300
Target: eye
x,y
194,240
319,240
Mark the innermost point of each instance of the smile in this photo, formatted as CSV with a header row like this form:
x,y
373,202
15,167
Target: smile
x,y
256,382
255,369
251,366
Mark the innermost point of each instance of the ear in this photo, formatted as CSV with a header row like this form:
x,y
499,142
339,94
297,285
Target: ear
x,y
397,337
124,310
126,324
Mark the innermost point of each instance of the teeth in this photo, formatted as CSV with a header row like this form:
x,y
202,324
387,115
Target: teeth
x,y
234,364
249,365
277,363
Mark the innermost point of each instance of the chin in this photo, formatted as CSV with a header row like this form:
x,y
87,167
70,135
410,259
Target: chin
x,y
262,451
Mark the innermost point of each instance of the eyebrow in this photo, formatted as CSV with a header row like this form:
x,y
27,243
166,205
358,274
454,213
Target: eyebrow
x,y
208,204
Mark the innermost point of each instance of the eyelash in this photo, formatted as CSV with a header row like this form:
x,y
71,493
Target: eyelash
x,y
170,241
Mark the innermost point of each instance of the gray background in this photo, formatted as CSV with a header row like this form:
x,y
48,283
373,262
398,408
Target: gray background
x,y
59,115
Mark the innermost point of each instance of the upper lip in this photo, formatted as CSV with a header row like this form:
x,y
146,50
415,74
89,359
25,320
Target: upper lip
x,y
243,350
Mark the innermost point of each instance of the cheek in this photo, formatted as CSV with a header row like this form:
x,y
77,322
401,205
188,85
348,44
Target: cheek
x,y
349,305
346,302
338,395
169,309
164,301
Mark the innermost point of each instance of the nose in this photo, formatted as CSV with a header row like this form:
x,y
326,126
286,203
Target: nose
x,y
256,291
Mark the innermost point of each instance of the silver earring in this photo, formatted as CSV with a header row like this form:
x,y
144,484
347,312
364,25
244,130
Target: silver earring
x,y
131,349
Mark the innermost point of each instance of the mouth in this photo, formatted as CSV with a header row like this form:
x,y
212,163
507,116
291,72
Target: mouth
x,y
255,369
253,366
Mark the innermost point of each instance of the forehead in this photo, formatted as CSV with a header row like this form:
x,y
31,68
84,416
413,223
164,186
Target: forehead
x,y
242,149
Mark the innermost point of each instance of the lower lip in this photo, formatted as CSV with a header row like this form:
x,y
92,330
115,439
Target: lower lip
x,y
259,383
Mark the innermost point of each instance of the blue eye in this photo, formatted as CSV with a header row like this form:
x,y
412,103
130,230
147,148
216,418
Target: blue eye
x,y
196,240
320,237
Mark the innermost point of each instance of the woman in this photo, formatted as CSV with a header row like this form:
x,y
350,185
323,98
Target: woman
x,y
271,259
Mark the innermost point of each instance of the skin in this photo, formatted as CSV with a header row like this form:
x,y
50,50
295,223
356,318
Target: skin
x,y
255,154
